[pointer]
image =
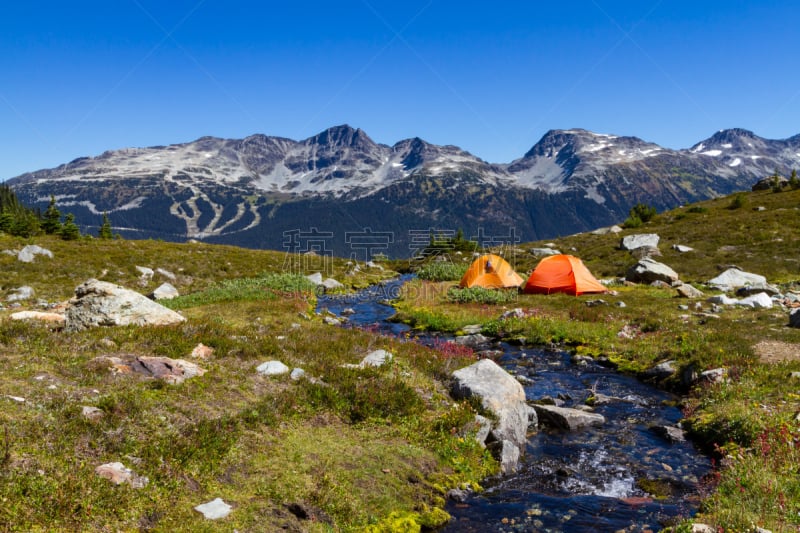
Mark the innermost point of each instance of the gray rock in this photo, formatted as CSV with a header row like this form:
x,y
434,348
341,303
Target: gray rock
x,y
472,329
504,397
20,293
794,318
99,303
376,358
473,341
688,291
647,271
607,230
661,370
165,291
755,288
734,278
632,242
458,495
272,368
214,509
29,253
721,299
145,273
756,301
331,283
681,248
569,419
543,252
715,375
166,274
173,371
517,312
297,374
646,251
670,433
315,278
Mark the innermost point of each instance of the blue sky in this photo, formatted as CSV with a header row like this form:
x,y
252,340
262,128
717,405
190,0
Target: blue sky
x,y
78,78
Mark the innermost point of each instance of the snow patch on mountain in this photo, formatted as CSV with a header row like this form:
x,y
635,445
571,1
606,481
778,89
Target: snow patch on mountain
x,y
735,163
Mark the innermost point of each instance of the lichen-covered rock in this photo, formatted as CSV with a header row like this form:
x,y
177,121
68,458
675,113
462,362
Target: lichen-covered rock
x,y
99,303
647,270
504,397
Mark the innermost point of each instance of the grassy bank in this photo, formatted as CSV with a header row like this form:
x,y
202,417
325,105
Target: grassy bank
x,y
345,450
748,421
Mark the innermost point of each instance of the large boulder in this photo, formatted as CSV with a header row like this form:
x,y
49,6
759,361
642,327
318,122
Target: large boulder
x,y
99,303
647,270
504,397
641,240
734,278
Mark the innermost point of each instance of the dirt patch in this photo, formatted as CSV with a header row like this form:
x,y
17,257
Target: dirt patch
x,y
777,351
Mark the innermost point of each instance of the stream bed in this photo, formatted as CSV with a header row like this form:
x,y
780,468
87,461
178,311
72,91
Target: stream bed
x,y
622,476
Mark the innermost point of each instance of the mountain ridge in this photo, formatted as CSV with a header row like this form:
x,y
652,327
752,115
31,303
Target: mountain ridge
x,y
247,191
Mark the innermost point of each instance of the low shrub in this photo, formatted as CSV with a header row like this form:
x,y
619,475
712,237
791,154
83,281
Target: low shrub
x,y
442,271
481,295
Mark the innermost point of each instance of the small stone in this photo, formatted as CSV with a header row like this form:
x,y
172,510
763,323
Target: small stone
x,y
201,351
297,373
214,509
92,413
272,368
118,474
376,358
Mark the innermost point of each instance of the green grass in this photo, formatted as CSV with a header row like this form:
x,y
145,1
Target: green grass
x,y
358,447
374,448
442,271
755,482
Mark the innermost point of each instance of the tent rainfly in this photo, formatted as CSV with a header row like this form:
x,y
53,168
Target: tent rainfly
x,y
491,272
562,273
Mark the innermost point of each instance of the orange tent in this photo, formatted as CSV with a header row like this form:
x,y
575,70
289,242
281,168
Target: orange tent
x,y
491,272
562,273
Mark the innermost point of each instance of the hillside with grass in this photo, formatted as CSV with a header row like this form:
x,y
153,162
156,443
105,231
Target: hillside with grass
x,y
375,449
749,420
345,449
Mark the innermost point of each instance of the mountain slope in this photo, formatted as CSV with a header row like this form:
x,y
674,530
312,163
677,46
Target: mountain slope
x,y
253,191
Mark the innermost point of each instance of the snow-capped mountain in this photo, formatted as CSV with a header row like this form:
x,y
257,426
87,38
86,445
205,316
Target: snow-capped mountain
x,y
253,190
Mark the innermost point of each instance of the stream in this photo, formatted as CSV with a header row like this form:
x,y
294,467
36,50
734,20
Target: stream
x,y
591,480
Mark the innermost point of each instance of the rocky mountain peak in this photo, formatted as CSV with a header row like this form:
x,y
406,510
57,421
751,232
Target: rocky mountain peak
x,y
737,140
343,136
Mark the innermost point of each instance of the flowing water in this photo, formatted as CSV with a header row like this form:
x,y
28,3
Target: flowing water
x,y
591,480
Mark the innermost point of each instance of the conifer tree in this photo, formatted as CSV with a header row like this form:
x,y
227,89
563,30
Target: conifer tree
x,y
794,182
51,220
105,228
70,230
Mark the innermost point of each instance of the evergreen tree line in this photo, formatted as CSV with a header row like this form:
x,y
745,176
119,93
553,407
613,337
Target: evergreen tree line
x,y
17,219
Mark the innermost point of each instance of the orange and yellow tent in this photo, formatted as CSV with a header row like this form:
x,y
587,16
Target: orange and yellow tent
x,y
491,272
562,273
